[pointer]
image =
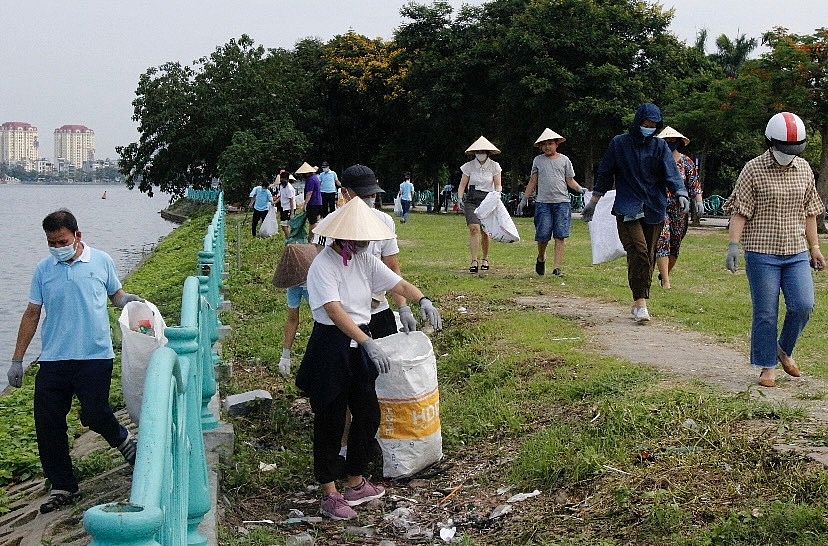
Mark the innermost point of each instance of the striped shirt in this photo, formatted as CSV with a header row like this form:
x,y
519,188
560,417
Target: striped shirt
x,y
775,200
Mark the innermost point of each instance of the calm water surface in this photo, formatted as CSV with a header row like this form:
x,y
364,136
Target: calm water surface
x,y
127,225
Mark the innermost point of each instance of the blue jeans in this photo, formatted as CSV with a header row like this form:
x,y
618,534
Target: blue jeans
x,y
552,220
768,274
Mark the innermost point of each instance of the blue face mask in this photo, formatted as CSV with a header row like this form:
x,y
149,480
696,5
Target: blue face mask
x,y
62,253
672,146
647,131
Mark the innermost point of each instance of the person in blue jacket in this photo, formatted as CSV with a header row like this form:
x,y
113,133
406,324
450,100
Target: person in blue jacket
x,y
641,168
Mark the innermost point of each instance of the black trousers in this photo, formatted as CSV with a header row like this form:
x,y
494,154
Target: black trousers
x,y
258,216
329,423
328,203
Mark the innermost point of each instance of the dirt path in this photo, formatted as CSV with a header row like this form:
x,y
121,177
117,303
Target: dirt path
x,y
690,355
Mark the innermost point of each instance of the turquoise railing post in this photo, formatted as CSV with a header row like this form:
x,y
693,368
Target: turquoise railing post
x,y
155,512
208,335
189,345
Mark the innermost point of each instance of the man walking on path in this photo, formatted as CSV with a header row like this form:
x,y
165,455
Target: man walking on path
x,y
641,168
260,200
552,173
328,184
406,195
72,285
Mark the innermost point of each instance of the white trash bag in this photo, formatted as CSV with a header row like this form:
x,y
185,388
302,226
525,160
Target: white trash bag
x,y
496,220
142,331
409,432
270,224
603,230
398,206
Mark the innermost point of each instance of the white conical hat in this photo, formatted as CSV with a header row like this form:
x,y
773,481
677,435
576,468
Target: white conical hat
x,y
353,221
549,134
305,168
669,132
482,145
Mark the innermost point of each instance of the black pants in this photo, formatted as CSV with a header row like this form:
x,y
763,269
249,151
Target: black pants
x,y
328,203
258,216
329,424
55,384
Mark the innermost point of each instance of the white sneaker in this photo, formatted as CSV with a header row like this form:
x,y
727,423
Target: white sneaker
x,y
640,315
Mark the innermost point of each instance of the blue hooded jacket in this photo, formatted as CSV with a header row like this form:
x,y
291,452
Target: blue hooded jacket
x,y
641,169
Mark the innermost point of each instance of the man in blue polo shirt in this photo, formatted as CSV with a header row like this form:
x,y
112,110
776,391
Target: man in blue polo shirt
x,y
72,285
328,184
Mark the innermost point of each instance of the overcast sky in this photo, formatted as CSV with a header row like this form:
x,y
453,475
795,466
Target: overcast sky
x,y
78,62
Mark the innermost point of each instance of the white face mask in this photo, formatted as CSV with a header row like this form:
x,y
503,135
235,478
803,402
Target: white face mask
x,y
783,159
370,201
481,157
63,253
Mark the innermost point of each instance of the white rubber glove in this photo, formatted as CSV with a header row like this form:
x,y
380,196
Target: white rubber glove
x,y
699,205
125,299
684,203
409,323
430,313
284,363
15,374
732,257
381,360
522,205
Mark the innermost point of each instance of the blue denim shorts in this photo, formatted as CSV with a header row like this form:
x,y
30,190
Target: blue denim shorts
x,y
295,294
552,220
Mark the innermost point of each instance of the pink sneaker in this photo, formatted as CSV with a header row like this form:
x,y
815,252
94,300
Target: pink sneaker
x,y
335,507
364,492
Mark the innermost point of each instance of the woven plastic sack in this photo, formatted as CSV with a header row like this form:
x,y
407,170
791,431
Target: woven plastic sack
x,y
142,331
603,230
495,219
409,432
298,232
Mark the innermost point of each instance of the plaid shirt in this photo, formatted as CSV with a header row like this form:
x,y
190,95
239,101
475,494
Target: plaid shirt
x,y
775,200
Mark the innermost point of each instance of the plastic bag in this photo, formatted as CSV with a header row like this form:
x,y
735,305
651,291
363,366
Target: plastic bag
x,y
603,230
398,206
298,233
495,219
270,225
409,432
142,331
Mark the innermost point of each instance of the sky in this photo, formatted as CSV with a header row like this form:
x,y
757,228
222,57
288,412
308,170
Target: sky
x,y
79,62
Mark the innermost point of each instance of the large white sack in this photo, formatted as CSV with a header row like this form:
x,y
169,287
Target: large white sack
x,y
409,432
603,230
398,206
270,225
137,348
496,220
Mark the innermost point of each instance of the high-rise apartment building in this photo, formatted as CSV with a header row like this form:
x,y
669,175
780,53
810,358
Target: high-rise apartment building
x,y
74,144
18,144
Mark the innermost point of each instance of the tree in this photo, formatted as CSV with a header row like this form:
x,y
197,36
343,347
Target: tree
x,y
732,54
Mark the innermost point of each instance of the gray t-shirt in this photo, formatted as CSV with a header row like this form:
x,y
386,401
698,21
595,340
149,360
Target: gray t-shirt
x,y
552,174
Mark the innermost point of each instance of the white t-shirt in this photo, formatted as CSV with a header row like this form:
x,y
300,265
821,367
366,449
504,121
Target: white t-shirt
x,y
352,285
552,174
481,175
287,193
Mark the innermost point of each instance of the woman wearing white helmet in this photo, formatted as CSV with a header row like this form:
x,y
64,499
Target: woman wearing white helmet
x,y
773,211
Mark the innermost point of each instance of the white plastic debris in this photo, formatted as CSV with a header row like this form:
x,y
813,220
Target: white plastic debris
x,y
500,510
523,496
267,467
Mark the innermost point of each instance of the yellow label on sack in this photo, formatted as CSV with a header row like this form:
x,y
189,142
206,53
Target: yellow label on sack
x,y
411,418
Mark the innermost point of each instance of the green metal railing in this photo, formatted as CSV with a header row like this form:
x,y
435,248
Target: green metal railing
x,y
170,488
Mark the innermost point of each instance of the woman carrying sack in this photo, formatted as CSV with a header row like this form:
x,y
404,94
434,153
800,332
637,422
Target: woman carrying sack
x,y
480,176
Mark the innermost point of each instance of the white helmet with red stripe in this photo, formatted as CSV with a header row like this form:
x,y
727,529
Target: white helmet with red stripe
x,y
786,133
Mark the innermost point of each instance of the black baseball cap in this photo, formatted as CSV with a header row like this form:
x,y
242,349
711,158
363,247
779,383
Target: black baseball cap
x,y
361,179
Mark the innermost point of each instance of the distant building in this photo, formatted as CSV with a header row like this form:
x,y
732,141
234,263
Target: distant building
x,y
18,144
74,144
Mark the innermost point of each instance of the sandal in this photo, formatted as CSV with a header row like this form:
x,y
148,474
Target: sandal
x,y
57,500
473,267
484,265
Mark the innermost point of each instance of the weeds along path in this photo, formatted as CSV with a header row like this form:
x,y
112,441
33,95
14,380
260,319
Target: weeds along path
x,y
690,355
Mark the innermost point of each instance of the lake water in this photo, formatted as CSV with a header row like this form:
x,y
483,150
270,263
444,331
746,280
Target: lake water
x,y
127,225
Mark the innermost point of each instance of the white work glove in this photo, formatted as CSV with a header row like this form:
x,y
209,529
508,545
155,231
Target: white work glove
x,y
460,203
409,323
699,205
522,205
684,203
284,363
121,302
430,313
381,360
15,374
589,211
732,257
